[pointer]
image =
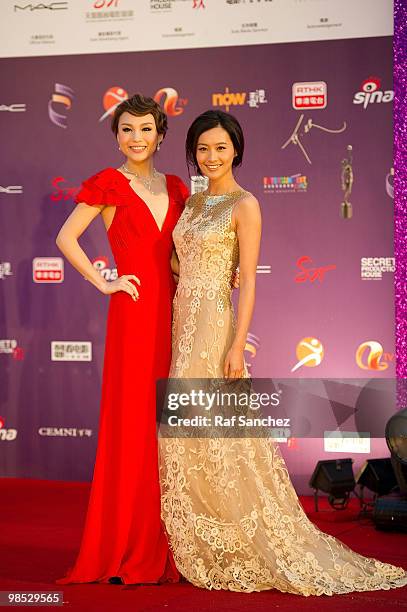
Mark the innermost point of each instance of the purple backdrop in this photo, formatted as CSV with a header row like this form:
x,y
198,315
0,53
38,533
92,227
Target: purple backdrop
x,y
39,396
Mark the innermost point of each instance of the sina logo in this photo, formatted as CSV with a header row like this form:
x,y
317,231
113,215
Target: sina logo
x,y
371,93
101,264
168,98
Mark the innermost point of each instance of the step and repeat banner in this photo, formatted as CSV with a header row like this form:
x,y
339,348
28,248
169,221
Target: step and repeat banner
x,y
313,112
110,26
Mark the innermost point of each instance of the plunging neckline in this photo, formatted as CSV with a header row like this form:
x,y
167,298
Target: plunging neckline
x,y
128,181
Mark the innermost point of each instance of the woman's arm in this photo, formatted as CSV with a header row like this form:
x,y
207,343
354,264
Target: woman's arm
x,y
175,265
248,226
67,242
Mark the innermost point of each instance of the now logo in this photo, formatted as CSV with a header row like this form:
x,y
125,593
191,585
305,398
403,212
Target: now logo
x,y
228,99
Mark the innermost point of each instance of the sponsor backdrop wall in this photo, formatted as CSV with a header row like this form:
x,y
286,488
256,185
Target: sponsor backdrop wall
x,y
325,283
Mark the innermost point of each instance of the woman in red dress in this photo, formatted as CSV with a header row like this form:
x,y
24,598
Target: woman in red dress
x,y
124,540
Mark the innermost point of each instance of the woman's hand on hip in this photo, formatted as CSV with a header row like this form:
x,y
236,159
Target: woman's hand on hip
x,y
123,283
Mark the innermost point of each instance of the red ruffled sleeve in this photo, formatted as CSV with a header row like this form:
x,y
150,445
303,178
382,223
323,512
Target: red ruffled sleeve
x,y
180,187
184,190
108,187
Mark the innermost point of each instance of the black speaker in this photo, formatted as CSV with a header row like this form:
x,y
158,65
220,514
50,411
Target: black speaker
x,y
400,472
335,477
377,475
390,513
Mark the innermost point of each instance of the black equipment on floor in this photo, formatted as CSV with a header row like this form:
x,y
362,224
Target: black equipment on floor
x,y
335,477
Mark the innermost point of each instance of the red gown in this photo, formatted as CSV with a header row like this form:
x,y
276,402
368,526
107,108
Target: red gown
x,y
123,534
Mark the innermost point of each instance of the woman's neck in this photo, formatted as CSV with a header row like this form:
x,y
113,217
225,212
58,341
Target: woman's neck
x,y
222,186
144,168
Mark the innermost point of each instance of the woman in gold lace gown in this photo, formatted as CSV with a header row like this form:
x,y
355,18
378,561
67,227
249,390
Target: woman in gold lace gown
x,y
232,515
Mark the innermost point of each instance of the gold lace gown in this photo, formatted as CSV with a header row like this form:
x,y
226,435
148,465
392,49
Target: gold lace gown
x,y
231,512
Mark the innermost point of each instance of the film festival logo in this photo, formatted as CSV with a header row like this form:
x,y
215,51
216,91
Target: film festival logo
x,y
41,6
167,97
310,273
6,434
369,356
228,98
302,130
309,352
62,97
370,93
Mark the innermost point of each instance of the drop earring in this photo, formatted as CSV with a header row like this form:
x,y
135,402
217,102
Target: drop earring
x,y
158,146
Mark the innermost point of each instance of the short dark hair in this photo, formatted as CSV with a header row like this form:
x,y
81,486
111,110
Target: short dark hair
x,y
206,121
139,106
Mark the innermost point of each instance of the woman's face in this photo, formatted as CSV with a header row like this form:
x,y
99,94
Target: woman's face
x,y
215,153
137,136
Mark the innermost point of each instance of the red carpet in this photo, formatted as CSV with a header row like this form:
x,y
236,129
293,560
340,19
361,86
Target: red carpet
x,y
40,529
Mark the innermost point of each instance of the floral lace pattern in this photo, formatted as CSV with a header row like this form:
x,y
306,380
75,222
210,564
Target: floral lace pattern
x,y
231,512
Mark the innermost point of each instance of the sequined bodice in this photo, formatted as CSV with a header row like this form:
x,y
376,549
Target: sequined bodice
x,y
207,246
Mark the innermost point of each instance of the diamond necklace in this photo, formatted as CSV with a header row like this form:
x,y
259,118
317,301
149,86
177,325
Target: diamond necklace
x,y
147,182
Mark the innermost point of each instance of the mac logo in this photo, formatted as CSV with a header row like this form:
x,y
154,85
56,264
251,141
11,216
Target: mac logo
x,y
52,6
